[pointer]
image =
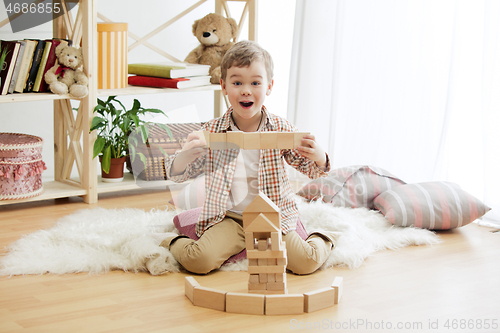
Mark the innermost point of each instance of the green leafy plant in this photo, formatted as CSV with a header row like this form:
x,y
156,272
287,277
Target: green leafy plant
x,y
116,126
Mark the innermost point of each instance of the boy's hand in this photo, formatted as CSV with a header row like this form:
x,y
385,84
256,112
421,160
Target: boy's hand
x,y
312,150
194,148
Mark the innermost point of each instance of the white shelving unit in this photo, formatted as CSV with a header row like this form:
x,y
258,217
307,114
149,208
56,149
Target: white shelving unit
x,y
72,141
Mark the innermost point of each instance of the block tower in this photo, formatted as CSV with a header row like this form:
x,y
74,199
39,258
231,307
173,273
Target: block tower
x,y
266,251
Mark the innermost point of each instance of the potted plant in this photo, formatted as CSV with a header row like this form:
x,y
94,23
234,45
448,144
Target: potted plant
x,y
114,125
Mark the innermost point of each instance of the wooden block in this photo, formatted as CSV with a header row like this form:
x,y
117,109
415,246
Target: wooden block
x,y
234,140
266,269
272,262
251,140
249,241
271,277
263,278
276,241
268,140
256,254
297,138
262,244
281,261
269,292
262,262
261,224
218,141
253,262
275,219
189,285
284,304
209,298
280,277
257,286
319,299
277,285
254,278
286,140
338,285
245,303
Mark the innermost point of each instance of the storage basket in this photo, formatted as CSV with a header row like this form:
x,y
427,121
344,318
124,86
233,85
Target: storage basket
x,y
155,159
112,66
21,166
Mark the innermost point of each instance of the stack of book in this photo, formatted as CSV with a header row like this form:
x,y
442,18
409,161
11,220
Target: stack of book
x,y
176,75
25,64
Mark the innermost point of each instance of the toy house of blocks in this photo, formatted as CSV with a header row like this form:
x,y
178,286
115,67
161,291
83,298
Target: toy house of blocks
x,y
266,251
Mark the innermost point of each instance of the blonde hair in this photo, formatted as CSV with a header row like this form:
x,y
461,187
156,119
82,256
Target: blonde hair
x,y
243,54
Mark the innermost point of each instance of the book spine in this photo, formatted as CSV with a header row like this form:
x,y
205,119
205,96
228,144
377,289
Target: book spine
x,y
41,67
152,82
153,72
37,58
9,64
25,66
17,68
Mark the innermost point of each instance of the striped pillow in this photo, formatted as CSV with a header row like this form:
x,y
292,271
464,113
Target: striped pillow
x,y
354,186
431,205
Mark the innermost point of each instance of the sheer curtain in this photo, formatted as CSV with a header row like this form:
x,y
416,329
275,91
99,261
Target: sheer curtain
x,y
412,86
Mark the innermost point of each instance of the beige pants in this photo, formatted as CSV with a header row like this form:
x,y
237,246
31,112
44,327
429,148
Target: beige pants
x,y
227,238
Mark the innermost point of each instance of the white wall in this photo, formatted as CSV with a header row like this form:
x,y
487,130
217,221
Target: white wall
x,y
275,33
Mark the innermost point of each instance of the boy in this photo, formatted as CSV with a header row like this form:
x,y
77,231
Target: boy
x,y
233,177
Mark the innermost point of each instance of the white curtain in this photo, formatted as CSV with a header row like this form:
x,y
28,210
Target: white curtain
x,y
412,86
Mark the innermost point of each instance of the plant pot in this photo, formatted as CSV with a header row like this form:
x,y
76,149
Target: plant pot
x,y
115,174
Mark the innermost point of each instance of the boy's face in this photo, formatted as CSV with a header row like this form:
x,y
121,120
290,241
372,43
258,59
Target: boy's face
x,y
246,89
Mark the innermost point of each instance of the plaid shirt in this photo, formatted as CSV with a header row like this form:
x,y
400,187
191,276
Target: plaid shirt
x,y
219,167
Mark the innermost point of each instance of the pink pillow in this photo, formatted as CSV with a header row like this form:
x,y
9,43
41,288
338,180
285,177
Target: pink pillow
x,y
186,221
354,186
430,205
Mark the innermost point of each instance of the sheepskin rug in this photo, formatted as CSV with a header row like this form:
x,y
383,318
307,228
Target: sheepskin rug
x,y
98,240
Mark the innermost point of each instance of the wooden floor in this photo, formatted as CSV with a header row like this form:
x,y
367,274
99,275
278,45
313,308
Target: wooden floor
x,y
450,287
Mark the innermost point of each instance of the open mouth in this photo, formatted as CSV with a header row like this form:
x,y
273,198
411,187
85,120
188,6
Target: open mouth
x,y
246,104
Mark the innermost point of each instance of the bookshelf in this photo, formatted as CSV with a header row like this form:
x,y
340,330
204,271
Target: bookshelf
x,y
72,141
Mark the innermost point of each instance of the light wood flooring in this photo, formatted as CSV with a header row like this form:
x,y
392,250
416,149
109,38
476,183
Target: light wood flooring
x,y
450,287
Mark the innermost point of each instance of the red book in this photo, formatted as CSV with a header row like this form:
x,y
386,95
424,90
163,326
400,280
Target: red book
x,y
159,82
51,61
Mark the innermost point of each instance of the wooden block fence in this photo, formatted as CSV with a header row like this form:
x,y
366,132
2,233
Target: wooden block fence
x,y
262,304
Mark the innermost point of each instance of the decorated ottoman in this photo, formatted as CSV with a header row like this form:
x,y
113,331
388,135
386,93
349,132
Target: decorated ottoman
x,y
21,166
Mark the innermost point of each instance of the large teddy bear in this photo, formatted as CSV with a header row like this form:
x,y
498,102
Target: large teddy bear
x,y
214,33
66,75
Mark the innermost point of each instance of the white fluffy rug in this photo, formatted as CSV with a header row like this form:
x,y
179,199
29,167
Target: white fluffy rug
x,y
99,240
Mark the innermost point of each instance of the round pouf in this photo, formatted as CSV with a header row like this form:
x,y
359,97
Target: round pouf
x,y
21,166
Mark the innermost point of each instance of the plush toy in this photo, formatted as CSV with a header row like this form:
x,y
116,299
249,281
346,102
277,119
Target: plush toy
x,y
67,75
214,33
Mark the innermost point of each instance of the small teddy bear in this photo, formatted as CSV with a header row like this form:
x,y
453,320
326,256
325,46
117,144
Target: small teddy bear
x,y
214,32
66,75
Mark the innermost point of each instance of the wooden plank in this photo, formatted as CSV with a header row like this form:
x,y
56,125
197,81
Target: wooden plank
x,y
189,285
266,269
256,254
284,304
245,303
338,285
251,140
319,299
209,298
